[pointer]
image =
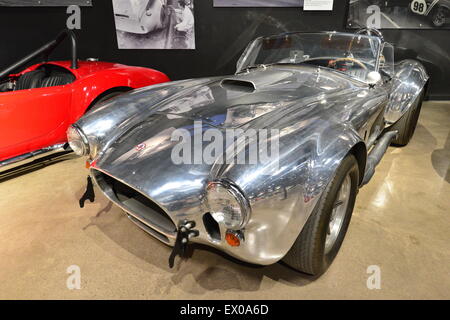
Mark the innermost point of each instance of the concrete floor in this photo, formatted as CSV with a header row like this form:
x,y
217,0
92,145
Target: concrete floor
x,y
401,224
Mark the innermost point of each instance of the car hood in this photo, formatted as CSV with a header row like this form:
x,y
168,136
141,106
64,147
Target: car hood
x,y
139,149
236,101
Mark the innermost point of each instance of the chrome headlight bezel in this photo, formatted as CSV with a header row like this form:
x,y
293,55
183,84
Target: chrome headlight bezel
x,y
78,141
230,191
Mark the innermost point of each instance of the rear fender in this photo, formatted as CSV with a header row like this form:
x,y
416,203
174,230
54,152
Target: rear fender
x,y
408,82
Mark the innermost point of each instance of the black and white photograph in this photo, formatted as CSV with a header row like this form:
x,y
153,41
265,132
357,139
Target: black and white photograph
x,y
258,3
399,14
154,24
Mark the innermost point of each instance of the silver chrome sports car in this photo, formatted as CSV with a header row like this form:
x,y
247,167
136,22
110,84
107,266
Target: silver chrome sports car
x,y
336,101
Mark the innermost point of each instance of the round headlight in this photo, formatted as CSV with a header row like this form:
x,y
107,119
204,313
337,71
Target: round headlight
x,y
77,141
227,205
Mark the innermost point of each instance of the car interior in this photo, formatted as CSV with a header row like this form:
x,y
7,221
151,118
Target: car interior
x,y
349,67
47,75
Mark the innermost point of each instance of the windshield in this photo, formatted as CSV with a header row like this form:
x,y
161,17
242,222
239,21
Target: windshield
x,y
355,55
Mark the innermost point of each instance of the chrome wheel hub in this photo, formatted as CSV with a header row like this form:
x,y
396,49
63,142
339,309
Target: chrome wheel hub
x,y
338,213
440,18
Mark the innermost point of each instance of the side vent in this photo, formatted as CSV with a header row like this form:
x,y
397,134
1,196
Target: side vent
x,y
238,85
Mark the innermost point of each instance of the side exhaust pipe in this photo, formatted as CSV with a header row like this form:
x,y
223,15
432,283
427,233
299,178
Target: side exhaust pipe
x,y
377,153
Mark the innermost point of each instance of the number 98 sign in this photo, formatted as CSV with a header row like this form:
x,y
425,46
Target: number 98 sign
x,y
419,6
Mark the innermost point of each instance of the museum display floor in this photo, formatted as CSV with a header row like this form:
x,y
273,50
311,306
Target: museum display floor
x,y
401,224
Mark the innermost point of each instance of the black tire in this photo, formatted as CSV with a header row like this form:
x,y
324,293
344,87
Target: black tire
x,y
407,124
308,253
439,17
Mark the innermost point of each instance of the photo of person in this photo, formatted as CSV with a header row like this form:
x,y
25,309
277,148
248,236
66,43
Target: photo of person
x,y
185,19
155,24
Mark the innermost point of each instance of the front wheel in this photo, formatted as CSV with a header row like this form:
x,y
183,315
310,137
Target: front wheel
x,y
322,236
439,17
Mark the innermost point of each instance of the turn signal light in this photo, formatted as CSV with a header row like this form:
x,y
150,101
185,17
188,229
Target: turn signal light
x,y
233,239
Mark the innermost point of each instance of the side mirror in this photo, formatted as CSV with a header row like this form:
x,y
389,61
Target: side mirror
x,y
373,78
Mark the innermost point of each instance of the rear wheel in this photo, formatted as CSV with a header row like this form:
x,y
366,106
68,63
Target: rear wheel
x,y
322,236
407,124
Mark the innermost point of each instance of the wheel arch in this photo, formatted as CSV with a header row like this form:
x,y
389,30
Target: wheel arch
x,y
360,152
443,5
409,75
120,89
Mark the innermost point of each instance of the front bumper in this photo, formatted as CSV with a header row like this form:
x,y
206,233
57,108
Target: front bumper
x,y
261,244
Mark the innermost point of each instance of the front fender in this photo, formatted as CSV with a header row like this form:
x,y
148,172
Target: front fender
x,y
409,80
283,198
105,124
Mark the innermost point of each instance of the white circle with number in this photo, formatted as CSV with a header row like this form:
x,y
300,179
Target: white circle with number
x,y
419,6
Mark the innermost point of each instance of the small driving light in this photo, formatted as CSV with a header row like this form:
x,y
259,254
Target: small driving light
x,y
233,238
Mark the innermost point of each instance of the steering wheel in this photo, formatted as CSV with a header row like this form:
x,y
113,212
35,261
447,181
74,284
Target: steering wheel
x,y
358,62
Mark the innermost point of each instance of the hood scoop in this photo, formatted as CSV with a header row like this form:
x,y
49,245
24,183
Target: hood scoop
x,y
238,85
259,80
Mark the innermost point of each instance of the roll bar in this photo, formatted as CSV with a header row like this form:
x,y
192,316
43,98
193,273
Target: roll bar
x,y
45,51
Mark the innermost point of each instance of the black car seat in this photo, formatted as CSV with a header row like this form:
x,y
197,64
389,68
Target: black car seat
x,y
30,80
58,79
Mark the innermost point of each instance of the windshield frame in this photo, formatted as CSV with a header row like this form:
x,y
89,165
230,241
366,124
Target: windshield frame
x,y
240,66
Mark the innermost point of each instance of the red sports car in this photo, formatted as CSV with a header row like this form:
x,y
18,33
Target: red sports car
x,y
38,104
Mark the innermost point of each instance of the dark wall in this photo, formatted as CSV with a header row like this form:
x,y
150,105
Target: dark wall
x,y
222,34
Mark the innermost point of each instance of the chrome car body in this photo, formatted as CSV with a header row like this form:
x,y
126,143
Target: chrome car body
x,y
322,116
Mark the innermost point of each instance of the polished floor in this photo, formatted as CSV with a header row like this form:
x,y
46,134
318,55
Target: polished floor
x,y
401,224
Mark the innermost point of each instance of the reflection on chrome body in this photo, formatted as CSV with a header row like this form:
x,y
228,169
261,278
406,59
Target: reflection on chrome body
x,y
410,78
32,156
163,234
322,115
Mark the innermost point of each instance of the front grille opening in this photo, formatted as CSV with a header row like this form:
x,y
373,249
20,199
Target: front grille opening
x,y
138,204
149,230
211,226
